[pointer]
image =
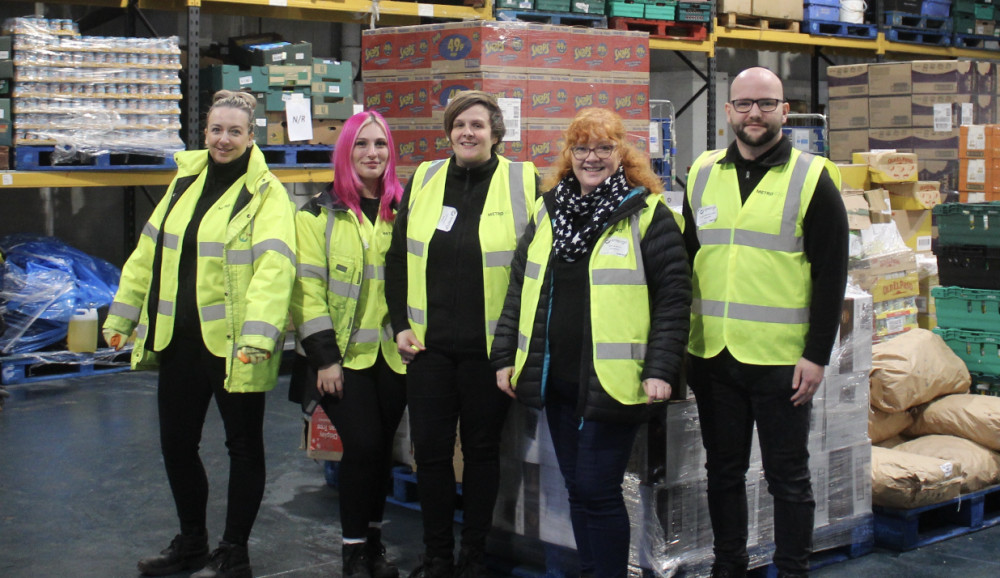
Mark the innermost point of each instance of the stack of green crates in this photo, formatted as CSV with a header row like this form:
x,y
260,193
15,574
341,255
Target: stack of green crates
x,y
628,9
661,10
968,303
966,13
552,5
515,4
694,12
589,6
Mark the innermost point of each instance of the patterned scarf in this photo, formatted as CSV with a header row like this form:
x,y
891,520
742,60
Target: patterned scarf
x,y
572,241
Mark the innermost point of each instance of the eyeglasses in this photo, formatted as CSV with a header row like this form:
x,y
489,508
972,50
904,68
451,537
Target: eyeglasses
x,y
581,153
764,104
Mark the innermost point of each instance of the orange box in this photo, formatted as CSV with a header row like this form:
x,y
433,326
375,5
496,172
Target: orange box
x,y
399,97
544,141
979,175
499,84
555,96
388,52
419,141
480,46
632,99
979,141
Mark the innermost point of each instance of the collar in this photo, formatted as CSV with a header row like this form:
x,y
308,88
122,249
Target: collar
x,y
483,171
776,156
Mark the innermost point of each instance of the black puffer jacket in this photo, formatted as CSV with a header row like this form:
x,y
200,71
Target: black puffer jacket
x,y
668,278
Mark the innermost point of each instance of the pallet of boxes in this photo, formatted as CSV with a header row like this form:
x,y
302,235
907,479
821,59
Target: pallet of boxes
x,y
6,79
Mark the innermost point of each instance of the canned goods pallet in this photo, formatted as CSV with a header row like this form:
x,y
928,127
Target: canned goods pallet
x,y
39,158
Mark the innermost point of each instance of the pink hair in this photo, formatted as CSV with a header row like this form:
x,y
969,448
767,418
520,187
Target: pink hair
x,y
347,185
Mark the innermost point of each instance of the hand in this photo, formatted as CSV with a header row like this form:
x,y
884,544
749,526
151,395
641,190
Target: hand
x,y
114,338
252,355
503,381
330,379
805,381
408,345
656,389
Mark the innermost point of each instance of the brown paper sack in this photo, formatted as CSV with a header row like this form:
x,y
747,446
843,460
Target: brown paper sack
x,y
905,480
979,465
882,425
970,416
915,368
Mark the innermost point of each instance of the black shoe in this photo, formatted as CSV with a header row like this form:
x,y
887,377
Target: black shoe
x,y
227,561
434,568
720,570
470,563
378,565
355,561
183,553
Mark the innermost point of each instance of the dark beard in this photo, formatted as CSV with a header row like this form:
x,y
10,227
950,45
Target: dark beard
x,y
765,138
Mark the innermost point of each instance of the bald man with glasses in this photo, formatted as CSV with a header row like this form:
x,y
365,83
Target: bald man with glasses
x,y
766,232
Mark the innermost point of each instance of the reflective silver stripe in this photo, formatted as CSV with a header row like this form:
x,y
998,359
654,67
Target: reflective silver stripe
x,y
150,231
344,289
311,272
213,312
314,326
365,336
239,257
540,214
376,272
532,270
262,329
414,247
140,331
708,307
415,315
791,244
621,350
210,249
517,201
714,236
499,258
387,332
493,326
170,241
522,341
764,314
701,181
432,170
276,245
264,186
165,307
124,310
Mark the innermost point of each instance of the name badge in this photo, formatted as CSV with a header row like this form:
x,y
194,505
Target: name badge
x,y
448,216
707,215
615,246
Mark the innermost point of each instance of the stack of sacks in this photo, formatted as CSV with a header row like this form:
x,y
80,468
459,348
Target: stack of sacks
x,y
932,439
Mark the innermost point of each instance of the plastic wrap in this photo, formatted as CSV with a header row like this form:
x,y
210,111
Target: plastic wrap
x,y
93,94
43,281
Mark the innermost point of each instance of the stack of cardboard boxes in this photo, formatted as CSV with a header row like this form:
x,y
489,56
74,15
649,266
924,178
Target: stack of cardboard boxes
x,y
979,163
543,75
913,107
6,78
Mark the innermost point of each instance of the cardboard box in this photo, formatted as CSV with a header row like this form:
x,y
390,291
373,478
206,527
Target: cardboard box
x,y
783,9
222,77
735,6
275,99
289,75
399,97
848,113
631,99
879,210
481,46
979,141
329,108
915,228
322,440
944,172
844,143
274,128
854,176
946,109
914,196
889,112
887,79
889,167
888,276
298,53
943,77
986,77
858,217
847,81
932,144
973,175
891,139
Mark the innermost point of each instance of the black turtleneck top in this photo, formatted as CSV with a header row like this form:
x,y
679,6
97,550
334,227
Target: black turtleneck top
x,y
220,177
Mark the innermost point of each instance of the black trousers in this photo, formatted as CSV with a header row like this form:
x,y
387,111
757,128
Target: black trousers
x,y
189,377
445,391
731,397
366,419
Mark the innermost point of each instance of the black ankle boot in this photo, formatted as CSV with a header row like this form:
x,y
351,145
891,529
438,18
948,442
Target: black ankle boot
x,y
355,561
183,553
720,570
227,561
470,563
434,568
378,565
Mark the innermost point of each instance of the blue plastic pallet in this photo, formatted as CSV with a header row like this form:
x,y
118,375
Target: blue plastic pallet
x,y
558,18
842,29
916,36
39,158
862,542
922,21
404,490
49,365
904,530
297,156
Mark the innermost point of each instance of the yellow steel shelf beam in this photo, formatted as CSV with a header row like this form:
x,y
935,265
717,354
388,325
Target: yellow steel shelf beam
x,y
131,178
706,46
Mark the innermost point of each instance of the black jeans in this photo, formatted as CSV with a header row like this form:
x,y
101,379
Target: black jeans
x,y
444,392
189,376
592,457
366,419
731,397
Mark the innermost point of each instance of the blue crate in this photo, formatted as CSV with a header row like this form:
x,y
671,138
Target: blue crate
x,y
905,530
919,36
940,8
833,3
825,13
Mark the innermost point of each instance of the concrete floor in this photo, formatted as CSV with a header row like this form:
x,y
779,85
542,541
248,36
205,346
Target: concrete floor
x,y
83,493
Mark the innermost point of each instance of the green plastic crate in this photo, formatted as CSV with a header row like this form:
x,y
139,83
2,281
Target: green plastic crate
x,y
589,6
626,9
985,384
552,5
962,24
965,308
978,349
694,11
968,224
984,12
661,12
516,4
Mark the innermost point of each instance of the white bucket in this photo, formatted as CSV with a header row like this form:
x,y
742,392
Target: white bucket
x,y
853,11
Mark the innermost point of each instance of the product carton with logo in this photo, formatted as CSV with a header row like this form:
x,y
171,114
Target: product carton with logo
x,y
932,144
631,99
943,77
887,79
403,96
480,46
847,81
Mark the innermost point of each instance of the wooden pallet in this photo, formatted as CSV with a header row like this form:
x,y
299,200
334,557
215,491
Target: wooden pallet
x,y
39,158
558,18
662,28
904,530
841,29
48,365
744,21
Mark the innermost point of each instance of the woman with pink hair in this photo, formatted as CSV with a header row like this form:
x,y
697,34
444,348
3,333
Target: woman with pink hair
x,y
353,369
